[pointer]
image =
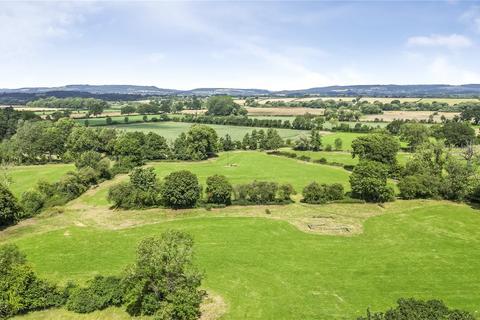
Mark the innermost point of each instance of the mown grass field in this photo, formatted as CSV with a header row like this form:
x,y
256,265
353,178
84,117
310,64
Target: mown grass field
x,y
266,268
25,178
171,130
245,166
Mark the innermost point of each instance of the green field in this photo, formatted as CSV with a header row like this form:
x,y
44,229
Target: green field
x,y
340,156
170,129
25,178
265,267
242,167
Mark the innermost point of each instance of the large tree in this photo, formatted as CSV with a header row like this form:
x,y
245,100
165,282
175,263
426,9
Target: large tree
x,y
223,106
368,181
164,281
10,211
181,189
378,147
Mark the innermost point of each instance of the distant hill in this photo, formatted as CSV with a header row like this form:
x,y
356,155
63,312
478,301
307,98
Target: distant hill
x,y
394,91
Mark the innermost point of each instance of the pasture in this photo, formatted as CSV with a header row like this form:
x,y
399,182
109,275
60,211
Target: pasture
x,y
266,267
25,178
171,130
242,167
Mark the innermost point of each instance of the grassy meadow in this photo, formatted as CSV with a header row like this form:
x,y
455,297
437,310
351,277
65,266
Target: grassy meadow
x,y
266,267
25,178
242,167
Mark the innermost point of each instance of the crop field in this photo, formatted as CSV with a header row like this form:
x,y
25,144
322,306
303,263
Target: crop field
x,y
242,167
267,266
25,178
171,130
389,116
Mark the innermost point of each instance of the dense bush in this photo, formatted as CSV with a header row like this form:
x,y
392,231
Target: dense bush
x,y
321,193
219,190
10,211
99,293
32,202
257,192
409,309
164,282
419,186
378,147
223,106
368,182
21,290
181,189
142,191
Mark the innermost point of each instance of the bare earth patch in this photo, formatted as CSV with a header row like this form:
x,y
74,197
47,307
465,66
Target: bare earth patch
x,y
213,307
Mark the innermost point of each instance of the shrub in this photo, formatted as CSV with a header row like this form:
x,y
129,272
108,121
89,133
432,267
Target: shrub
x,y
142,191
163,281
328,147
21,290
419,186
181,190
124,165
32,202
100,293
258,192
321,193
285,191
304,158
10,211
419,310
219,190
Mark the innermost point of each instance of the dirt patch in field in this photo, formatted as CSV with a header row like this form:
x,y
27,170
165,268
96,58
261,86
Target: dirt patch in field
x,y
213,307
389,116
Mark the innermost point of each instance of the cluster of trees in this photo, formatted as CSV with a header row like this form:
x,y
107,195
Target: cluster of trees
x,y
419,310
269,140
92,105
435,173
224,106
314,143
454,133
163,282
9,119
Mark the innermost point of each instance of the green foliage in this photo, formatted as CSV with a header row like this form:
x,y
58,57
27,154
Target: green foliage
x,y
368,182
419,186
10,211
21,290
223,106
376,147
202,142
414,134
181,189
322,193
99,293
142,191
257,192
409,309
226,143
338,144
164,282
285,191
32,202
457,134
219,190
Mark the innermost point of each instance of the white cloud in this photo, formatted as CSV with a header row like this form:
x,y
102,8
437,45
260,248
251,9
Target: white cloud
x,y
472,17
452,41
443,70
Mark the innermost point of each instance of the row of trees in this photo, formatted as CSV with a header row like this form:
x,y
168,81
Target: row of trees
x,y
92,105
181,189
9,119
163,282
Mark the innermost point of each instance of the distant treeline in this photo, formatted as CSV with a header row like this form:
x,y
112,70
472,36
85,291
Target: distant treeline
x,y
16,98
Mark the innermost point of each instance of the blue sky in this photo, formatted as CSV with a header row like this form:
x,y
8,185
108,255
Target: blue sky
x,y
263,44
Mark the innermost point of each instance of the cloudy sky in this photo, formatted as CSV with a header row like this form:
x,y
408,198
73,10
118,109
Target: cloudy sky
x,y
263,44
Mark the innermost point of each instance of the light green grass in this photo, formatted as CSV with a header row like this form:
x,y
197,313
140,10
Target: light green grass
x,y
25,178
269,269
242,167
171,130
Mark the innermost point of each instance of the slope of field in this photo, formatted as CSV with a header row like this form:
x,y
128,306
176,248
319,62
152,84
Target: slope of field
x,y
171,130
242,167
25,178
266,268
